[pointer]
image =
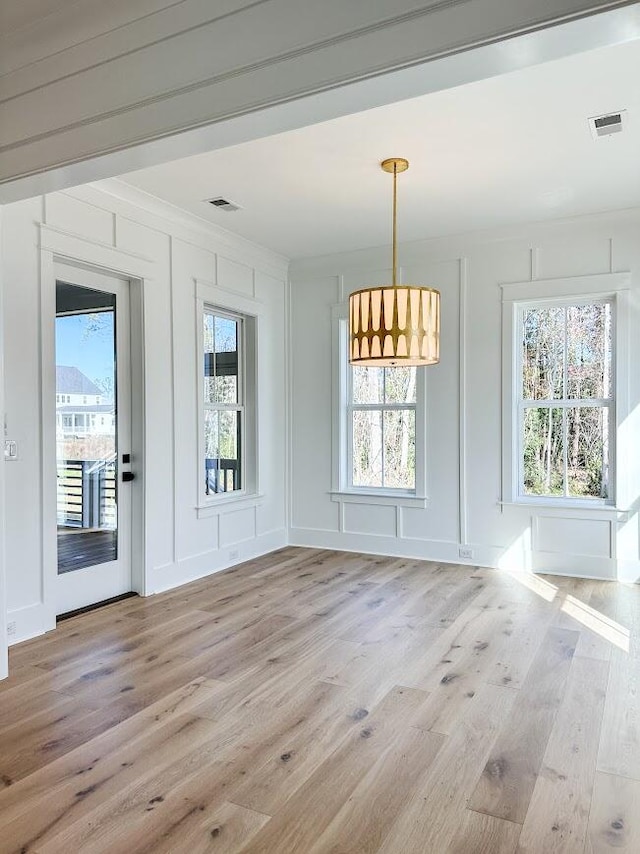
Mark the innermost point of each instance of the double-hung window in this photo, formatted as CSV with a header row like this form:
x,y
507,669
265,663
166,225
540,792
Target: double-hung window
x,y
565,413
379,447
224,402
381,423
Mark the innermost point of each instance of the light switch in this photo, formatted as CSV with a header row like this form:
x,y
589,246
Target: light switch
x,y
10,449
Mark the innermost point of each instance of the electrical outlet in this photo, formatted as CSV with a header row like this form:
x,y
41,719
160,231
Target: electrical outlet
x,y
11,629
234,554
465,552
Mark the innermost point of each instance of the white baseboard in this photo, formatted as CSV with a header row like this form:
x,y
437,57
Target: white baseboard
x,y
29,622
199,566
494,557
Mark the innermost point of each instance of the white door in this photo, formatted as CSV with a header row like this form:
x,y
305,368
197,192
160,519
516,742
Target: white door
x,y
93,438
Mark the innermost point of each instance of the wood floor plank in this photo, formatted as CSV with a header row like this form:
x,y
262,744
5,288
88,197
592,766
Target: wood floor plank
x,y
318,700
620,744
432,817
226,830
188,782
78,793
485,834
559,810
614,823
363,822
308,812
509,777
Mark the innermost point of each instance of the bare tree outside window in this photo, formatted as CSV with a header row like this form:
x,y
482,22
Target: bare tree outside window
x,y
382,419
566,405
223,402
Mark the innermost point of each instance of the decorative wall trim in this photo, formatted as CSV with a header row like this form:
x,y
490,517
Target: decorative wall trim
x,y
115,194
209,563
462,489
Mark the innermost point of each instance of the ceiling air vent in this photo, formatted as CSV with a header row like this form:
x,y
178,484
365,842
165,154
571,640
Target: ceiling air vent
x,y
224,204
607,124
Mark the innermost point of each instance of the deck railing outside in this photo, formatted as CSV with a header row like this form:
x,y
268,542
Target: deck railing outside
x,y
221,475
87,493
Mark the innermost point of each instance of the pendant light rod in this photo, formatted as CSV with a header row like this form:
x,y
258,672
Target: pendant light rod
x,y
394,261
395,165
394,325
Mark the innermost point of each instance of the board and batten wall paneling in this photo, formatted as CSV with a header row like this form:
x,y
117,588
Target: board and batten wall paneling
x,y
4,659
464,405
102,228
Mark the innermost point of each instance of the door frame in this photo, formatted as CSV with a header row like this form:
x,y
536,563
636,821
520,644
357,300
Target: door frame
x,y
135,269
95,583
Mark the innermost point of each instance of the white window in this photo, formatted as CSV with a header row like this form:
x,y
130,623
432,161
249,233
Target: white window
x,y
381,428
565,414
224,411
227,341
565,359
380,435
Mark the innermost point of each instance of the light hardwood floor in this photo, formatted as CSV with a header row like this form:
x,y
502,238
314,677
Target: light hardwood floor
x,y
316,701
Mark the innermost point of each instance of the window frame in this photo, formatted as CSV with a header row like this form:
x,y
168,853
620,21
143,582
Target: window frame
x,y
239,407
342,489
351,408
517,297
564,402
212,299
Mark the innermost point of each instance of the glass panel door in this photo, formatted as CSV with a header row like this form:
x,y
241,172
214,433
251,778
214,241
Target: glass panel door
x,y
86,427
92,439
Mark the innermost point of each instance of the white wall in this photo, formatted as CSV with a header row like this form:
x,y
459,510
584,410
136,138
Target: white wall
x,y
114,228
4,663
464,405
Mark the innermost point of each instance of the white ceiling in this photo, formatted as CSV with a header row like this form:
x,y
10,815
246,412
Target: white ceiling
x,y
505,150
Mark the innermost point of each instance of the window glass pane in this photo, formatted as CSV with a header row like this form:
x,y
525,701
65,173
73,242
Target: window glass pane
x,y
367,385
222,451
543,451
588,452
542,353
589,351
367,448
399,448
221,339
399,385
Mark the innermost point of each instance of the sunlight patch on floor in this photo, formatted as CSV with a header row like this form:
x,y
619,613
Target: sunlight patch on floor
x,y
597,622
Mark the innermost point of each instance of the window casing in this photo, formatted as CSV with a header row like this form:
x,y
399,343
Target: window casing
x,y
379,445
381,428
565,355
223,395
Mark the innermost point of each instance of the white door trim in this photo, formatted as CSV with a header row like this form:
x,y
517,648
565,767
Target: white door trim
x,y
61,247
95,583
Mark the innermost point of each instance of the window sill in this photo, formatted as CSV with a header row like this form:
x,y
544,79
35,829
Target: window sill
x,y
228,504
394,499
607,511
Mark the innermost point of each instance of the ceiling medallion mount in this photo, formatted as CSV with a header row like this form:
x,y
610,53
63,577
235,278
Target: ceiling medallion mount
x,y
394,325
394,164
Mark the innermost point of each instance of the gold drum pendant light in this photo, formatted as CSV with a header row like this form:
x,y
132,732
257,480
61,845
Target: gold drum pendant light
x,y
394,325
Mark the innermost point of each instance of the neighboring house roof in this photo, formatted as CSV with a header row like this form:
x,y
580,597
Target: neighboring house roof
x,y
101,408
72,381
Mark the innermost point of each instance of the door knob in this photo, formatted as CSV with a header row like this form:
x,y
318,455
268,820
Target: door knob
x,y
127,476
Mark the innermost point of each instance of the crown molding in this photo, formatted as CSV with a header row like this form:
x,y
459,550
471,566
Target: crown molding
x,y
147,209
